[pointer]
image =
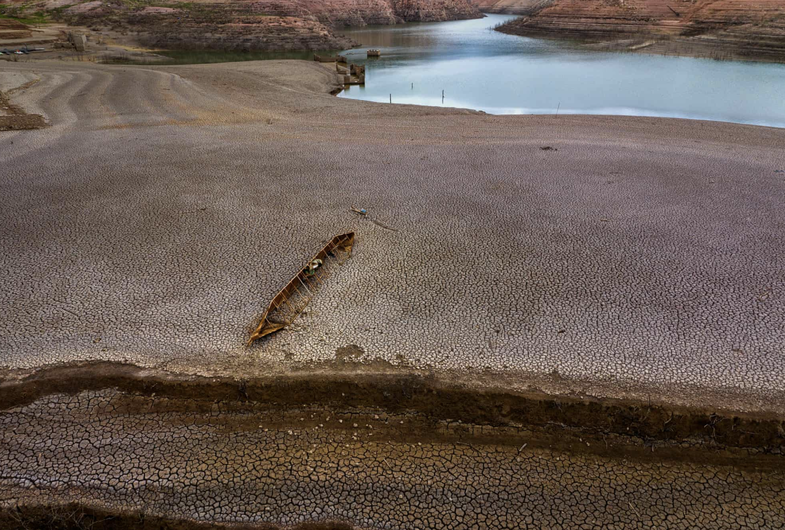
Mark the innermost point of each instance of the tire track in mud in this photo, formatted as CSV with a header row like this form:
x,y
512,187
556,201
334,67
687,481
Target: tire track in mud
x,y
57,103
89,104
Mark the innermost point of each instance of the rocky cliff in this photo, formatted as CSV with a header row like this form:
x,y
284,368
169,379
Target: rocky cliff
x,y
511,7
264,25
742,27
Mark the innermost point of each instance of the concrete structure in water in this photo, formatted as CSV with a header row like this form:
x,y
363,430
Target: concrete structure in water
x,y
353,75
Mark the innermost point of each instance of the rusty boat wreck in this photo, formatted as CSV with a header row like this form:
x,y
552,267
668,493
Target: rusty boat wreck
x,y
290,301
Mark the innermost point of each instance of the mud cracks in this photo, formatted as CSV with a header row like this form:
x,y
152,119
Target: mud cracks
x,y
428,395
117,447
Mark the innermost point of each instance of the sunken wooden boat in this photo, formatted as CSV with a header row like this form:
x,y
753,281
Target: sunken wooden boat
x,y
290,301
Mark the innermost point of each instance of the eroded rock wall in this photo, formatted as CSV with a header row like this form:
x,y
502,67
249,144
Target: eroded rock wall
x,y
512,7
758,25
270,25
13,29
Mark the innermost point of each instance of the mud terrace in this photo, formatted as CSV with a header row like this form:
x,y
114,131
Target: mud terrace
x,y
148,225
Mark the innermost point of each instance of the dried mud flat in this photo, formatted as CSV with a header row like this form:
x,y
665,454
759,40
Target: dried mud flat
x,y
578,337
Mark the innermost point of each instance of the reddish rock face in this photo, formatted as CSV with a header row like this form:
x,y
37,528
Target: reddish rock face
x,y
512,7
266,25
756,24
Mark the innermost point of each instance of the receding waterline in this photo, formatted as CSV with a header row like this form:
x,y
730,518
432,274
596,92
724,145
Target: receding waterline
x,y
484,70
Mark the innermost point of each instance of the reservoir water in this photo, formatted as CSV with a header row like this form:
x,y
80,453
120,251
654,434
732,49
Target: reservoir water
x,y
479,68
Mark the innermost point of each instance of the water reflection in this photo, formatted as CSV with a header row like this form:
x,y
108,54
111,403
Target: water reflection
x,y
485,70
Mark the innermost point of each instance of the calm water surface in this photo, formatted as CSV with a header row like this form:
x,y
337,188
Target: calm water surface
x,y
482,69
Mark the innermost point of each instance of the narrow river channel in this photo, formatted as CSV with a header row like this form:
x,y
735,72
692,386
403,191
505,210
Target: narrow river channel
x,y
479,68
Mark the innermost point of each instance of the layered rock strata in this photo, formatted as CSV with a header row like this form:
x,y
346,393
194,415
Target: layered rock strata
x,y
13,29
746,29
512,7
264,25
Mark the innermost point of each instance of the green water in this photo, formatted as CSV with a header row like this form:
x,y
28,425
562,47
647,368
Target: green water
x,y
482,69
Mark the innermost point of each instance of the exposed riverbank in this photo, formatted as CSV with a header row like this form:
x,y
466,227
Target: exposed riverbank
x,y
727,30
607,180
574,320
238,26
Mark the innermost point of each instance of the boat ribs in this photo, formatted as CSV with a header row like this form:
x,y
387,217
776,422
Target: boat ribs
x,y
290,301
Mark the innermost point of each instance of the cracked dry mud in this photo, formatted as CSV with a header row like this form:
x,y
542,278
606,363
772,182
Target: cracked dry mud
x,y
245,462
156,216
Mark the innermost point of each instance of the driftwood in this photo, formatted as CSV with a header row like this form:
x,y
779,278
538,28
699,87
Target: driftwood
x,y
294,297
364,213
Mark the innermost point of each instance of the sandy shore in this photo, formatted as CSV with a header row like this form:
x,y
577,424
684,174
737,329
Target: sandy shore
x,y
515,350
161,210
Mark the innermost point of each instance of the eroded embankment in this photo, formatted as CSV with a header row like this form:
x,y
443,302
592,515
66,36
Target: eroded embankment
x,y
80,445
719,29
427,395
